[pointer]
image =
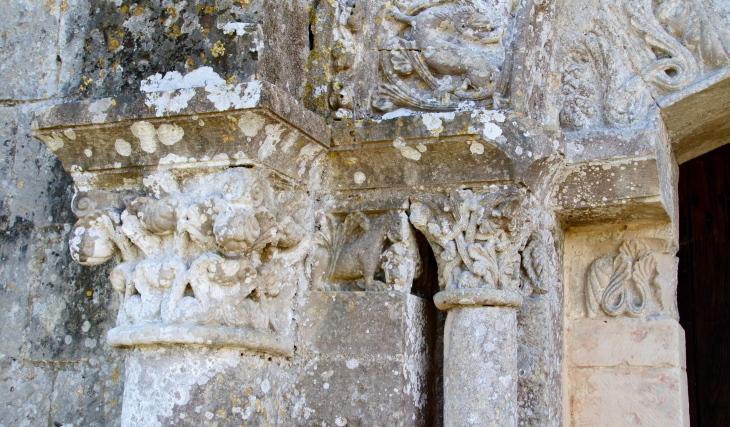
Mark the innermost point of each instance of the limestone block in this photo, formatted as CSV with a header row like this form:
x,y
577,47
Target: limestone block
x,y
367,359
539,361
361,391
201,386
625,342
644,255
407,148
71,307
15,238
255,123
89,393
697,116
245,41
345,323
626,396
28,51
619,191
8,131
25,393
42,191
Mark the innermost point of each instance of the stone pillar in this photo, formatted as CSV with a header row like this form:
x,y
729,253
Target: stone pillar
x,y
207,236
480,361
476,238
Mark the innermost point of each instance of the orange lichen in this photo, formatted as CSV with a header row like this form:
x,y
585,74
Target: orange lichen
x,y
218,49
113,45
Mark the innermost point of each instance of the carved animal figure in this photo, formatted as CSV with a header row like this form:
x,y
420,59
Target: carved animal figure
x,y
449,37
354,249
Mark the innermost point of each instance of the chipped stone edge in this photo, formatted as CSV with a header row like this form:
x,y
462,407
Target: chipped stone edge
x,y
209,336
446,300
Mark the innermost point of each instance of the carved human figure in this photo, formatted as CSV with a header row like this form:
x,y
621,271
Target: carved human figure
x,y
216,283
218,251
152,280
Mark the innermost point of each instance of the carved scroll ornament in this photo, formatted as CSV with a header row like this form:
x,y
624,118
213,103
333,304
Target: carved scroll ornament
x,y
683,41
373,253
440,54
221,255
623,284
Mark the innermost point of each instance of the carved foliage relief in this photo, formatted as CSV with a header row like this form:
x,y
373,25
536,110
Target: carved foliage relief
x,y
635,51
361,252
475,237
624,284
437,55
598,89
683,40
219,252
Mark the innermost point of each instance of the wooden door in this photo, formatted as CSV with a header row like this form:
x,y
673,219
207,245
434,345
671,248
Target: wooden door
x,y
704,284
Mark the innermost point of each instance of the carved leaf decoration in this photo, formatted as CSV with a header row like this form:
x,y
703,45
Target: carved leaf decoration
x,y
634,249
535,263
599,275
342,234
401,63
614,301
644,271
674,67
485,262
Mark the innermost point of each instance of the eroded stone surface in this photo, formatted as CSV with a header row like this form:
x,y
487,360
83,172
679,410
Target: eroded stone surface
x,y
411,109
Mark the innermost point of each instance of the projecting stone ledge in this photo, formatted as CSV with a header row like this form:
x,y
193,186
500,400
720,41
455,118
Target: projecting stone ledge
x,y
207,336
245,124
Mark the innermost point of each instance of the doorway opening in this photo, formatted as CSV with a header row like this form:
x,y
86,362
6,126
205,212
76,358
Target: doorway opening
x,y
703,292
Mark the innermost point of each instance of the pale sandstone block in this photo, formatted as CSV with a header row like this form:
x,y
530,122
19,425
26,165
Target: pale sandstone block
x,y
618,397
625,341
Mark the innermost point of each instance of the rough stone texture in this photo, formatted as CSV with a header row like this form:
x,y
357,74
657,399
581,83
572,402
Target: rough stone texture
x,y
480,361
205,387
625,342
55,366
698,123
128,42
585,107
368,359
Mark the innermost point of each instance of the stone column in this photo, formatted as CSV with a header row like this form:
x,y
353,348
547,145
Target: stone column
x,y
480,357
476,238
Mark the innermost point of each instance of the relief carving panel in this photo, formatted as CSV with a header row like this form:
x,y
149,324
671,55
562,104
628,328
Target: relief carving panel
x,y
442,55
361,252
217,252
624,284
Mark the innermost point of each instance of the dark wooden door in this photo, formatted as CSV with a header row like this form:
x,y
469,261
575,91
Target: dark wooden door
x,y
704,284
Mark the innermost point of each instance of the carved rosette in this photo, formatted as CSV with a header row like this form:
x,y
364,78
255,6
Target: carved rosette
x,y
213,262
437,55
476,239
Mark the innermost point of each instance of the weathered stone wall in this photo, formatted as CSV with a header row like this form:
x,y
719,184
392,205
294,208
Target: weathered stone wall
x,y
55,366
244,169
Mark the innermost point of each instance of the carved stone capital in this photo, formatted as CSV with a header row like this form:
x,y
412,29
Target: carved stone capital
x,y
475,237
214,260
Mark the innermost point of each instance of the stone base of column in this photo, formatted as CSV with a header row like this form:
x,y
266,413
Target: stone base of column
x,y
480,367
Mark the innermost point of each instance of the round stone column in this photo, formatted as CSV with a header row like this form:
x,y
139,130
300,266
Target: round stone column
x,y
480,357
